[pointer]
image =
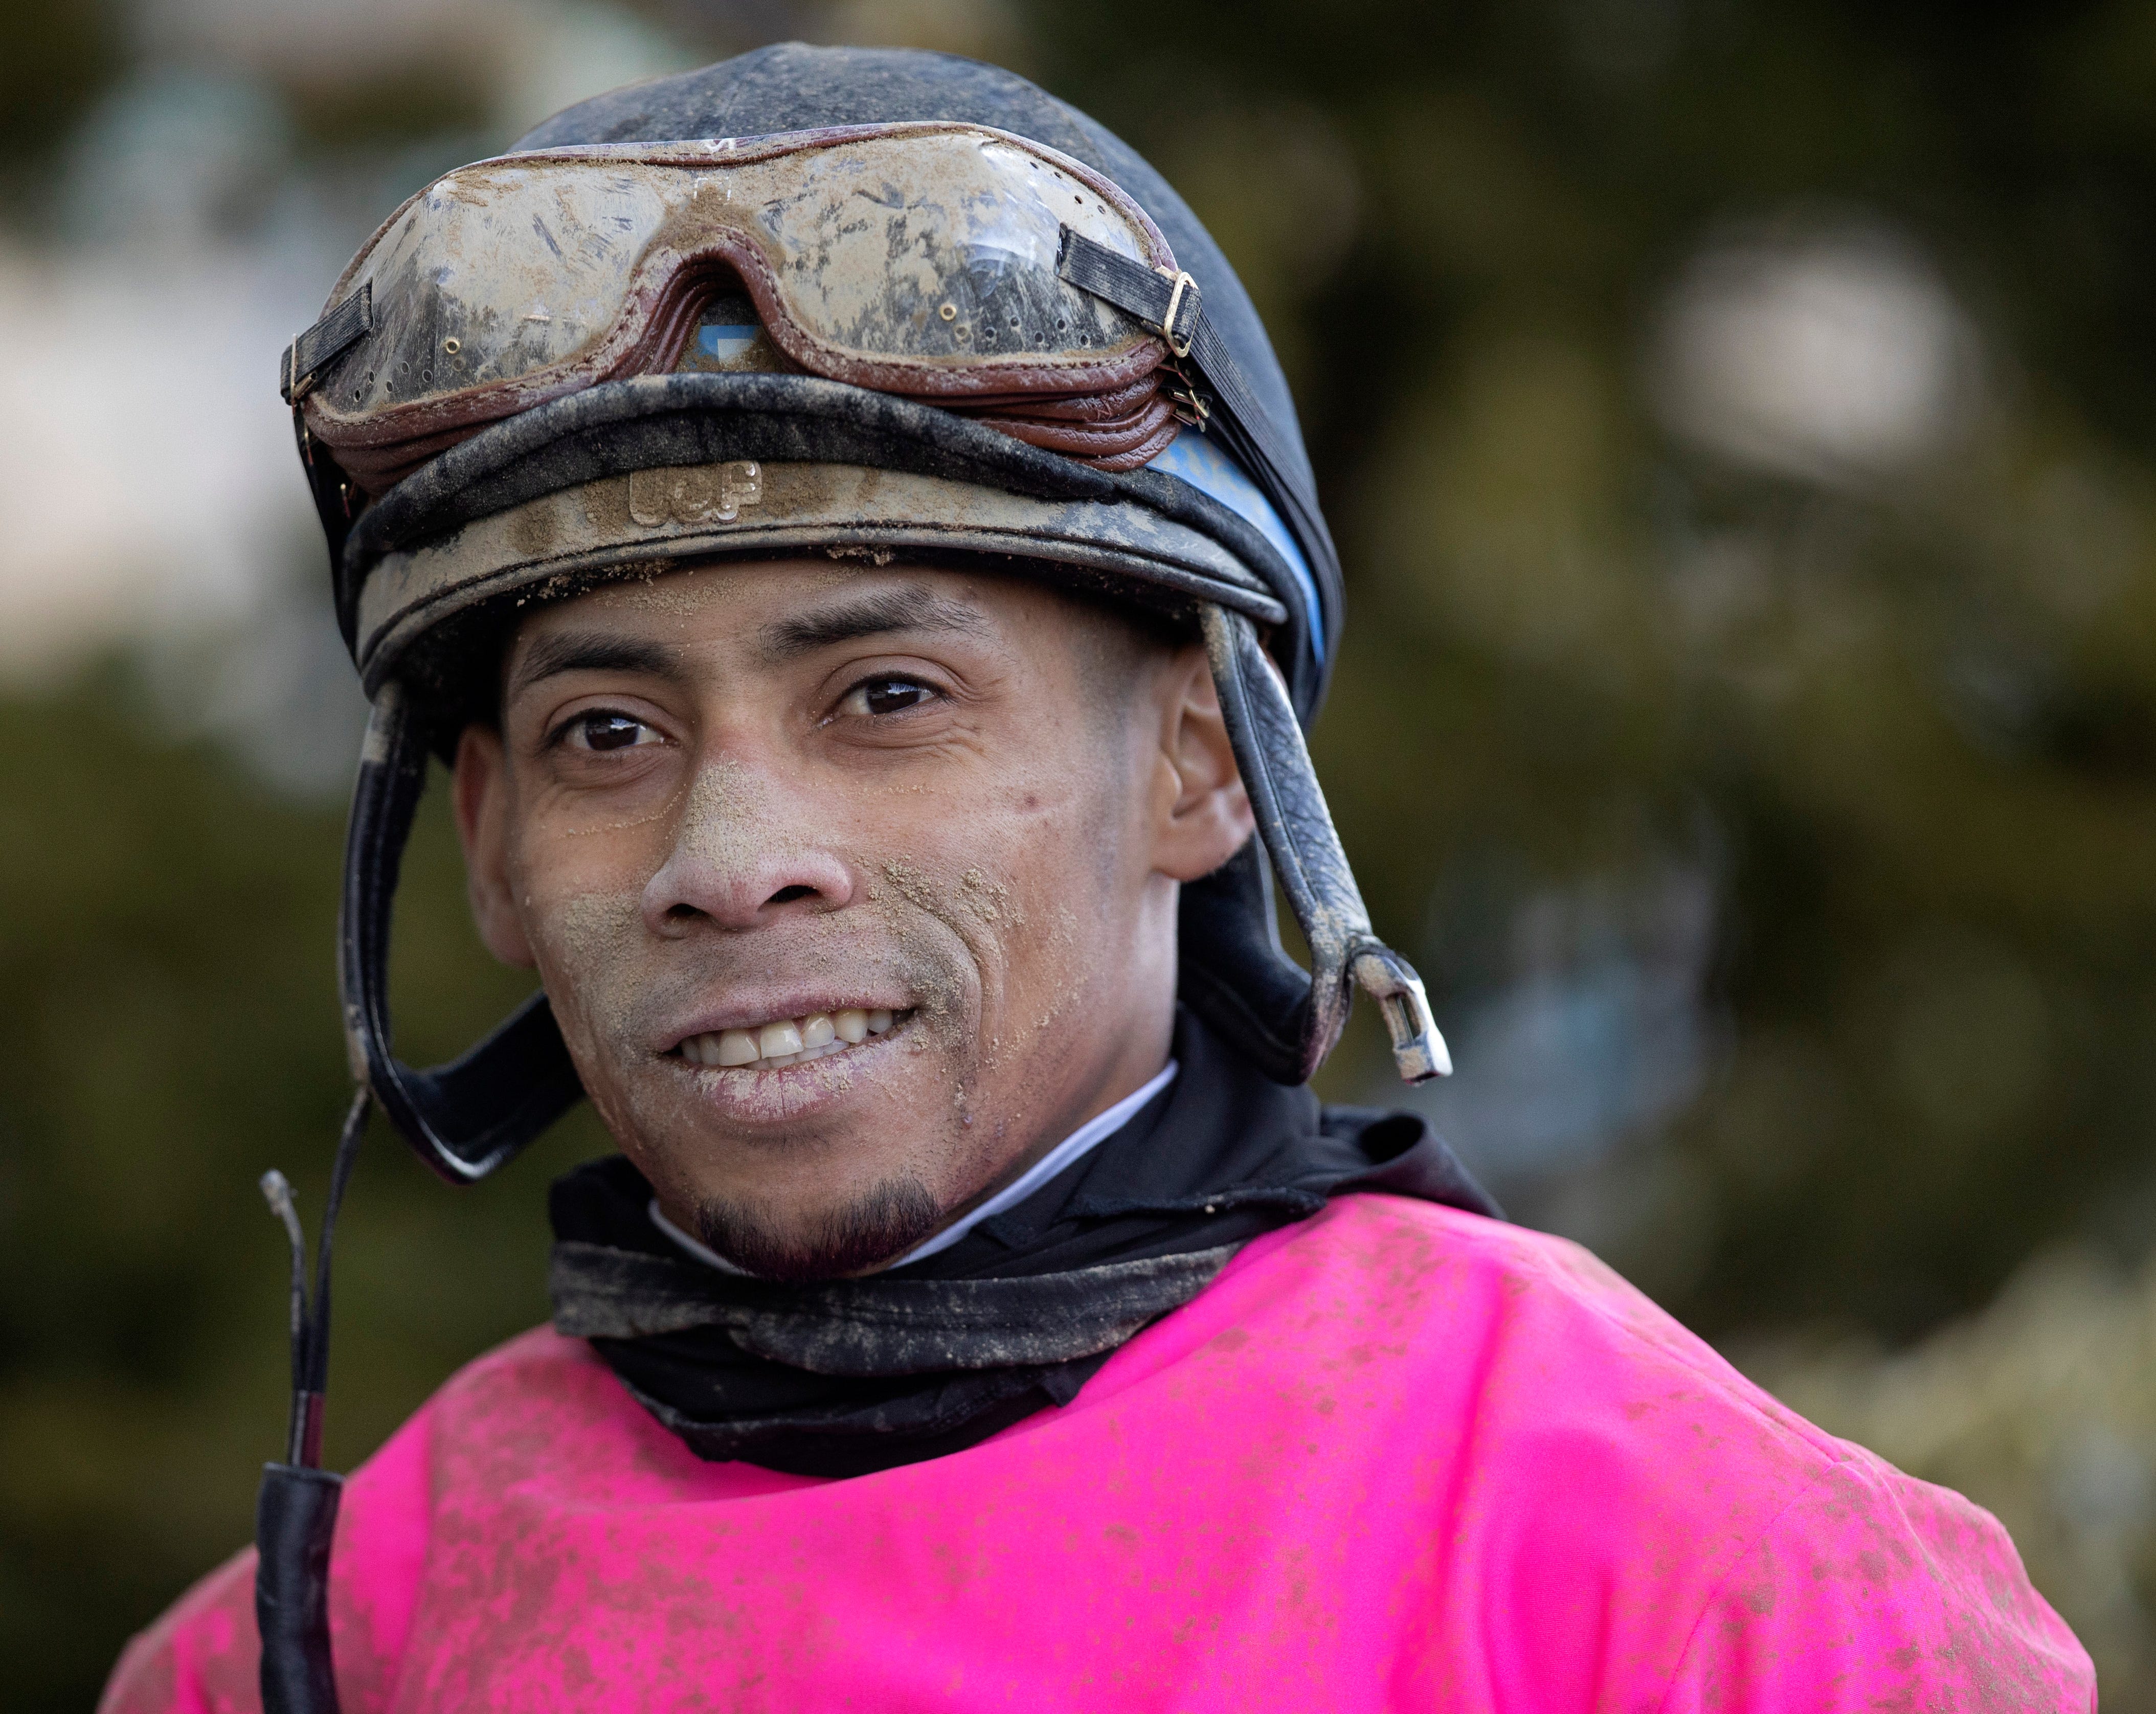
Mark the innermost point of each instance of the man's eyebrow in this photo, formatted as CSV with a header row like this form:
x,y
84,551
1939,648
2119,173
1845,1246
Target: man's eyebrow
x,y
592,651
914,609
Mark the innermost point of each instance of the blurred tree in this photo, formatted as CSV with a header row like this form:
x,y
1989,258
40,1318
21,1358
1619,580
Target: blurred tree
x,y
56,59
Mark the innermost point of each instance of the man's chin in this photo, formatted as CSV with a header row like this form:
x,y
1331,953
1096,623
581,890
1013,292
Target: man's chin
x,y
858,1237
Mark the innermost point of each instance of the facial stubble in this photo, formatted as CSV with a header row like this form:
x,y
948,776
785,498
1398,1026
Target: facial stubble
x,y
871,1231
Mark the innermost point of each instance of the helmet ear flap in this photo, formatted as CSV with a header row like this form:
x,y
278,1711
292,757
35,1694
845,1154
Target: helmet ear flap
x,y
1234,971
468,1116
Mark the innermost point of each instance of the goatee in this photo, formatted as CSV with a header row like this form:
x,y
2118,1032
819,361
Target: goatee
x,y
870,1232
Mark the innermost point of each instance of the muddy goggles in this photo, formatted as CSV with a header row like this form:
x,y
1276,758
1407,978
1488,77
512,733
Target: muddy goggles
x,y
916,259
952,264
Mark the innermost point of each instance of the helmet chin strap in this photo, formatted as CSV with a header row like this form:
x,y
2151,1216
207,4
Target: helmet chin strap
x,y
1291,816
467,1117
1297,831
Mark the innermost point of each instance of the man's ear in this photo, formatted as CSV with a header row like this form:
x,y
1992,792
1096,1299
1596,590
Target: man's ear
x,y
481,791
1201,813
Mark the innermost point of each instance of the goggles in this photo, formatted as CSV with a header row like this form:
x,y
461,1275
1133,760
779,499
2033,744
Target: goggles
x,y
919,259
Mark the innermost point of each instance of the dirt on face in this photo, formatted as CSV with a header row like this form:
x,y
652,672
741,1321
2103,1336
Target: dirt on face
x,y
750,838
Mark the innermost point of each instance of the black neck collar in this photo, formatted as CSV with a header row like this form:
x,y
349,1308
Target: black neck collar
x,y
845,1376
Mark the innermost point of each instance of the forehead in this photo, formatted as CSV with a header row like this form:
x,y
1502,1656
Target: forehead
x,y
747,603
745,621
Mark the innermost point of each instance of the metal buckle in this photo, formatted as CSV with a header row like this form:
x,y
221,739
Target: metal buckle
x,y
294,387
1418,1051
1183,282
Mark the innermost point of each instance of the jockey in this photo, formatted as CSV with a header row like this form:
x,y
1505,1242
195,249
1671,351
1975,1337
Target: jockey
x,y
839,519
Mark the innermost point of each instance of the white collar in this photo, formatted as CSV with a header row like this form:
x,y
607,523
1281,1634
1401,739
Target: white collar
x,y
1080,1142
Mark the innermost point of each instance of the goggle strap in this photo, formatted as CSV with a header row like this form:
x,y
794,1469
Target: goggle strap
x,y
1156,298
338,331
1248,428
1146,293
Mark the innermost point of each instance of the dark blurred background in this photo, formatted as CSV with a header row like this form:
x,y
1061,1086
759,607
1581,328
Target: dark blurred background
x,y
1740,424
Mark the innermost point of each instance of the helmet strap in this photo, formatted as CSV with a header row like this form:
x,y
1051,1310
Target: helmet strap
x,y
468,1116
1299,837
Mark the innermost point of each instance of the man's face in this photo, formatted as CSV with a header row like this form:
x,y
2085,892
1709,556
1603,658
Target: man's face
x,y
911,838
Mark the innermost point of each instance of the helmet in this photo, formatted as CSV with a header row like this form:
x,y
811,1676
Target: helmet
x,y
844,301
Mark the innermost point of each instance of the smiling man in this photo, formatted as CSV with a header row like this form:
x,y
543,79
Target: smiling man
x,y
855,891
839,516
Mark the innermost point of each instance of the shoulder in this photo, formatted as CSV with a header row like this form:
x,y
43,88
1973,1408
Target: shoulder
x,y
1536,1306
1874,1589
538,1368
202,1653
1612,1479
1508,1354
544,1412
539,1396
1553,1368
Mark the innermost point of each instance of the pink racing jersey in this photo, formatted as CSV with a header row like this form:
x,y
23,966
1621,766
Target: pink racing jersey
x,y
1396,1457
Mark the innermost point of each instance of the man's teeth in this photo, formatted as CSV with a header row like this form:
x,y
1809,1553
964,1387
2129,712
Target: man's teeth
x,y
788,1041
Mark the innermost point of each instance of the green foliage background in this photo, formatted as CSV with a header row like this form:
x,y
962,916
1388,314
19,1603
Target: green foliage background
x,y
1936,907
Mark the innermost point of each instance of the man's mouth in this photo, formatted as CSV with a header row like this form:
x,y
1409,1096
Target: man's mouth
x,y
789,1041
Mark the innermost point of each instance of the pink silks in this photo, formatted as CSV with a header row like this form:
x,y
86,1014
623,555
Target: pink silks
x,y
1395,1457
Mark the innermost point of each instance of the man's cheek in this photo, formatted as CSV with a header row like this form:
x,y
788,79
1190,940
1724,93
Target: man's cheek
x,y
587,946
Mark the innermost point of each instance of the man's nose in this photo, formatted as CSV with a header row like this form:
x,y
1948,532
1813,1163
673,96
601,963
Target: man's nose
x,y
739,859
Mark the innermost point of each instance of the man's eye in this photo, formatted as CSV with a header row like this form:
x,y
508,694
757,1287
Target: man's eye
x,y
601,730
875,696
